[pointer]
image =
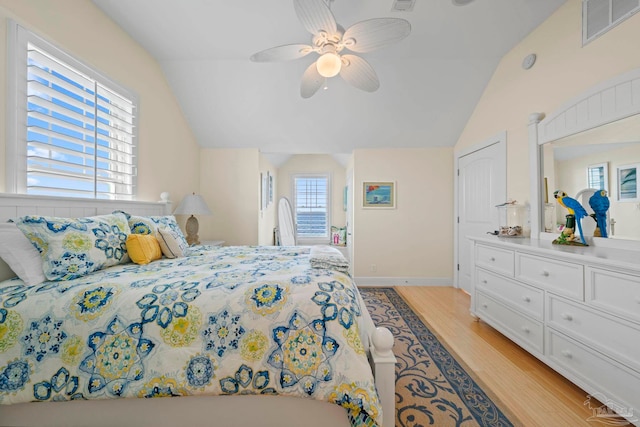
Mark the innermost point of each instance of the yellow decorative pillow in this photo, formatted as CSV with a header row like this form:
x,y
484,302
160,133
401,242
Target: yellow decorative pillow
x,y
143,248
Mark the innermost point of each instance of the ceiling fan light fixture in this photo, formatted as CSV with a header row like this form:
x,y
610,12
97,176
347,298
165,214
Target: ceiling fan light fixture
x,y
329,64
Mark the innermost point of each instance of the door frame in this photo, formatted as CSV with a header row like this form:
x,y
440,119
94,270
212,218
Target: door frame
x,y
500,139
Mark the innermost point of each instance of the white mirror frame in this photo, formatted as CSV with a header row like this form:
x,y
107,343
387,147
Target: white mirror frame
x,y
607,102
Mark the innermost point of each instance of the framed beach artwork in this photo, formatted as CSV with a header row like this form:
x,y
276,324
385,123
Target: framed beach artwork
x,y
628,183
379,195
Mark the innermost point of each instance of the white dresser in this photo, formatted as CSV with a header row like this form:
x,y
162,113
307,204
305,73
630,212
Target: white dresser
x,y
575,308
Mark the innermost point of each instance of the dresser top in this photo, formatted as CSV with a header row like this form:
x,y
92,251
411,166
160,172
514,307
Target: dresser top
x,y
609,257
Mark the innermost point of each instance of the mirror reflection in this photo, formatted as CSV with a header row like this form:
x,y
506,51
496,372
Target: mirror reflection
x,y
604,158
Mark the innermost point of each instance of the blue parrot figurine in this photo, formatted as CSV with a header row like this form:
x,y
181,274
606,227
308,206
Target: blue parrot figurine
x,y
575,208
599,202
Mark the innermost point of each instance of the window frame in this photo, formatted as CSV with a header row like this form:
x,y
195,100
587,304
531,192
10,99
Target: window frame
x,y
19,38
301,240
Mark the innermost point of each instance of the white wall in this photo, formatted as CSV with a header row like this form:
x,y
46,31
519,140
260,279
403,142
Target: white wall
x,y
563,69
167,150
230,184
415,239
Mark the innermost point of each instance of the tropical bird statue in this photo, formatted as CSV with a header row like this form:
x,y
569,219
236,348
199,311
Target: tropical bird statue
x,y
575,208
599,202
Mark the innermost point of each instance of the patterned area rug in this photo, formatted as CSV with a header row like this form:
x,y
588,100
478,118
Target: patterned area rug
x,y
432,387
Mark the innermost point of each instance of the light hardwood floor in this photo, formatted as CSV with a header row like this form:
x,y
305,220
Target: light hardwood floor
x,y
535,393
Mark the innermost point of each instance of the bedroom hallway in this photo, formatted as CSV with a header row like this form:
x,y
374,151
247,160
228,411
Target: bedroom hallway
x,y
527,387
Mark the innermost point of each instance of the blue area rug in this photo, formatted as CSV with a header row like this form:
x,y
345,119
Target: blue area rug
x,y
432,387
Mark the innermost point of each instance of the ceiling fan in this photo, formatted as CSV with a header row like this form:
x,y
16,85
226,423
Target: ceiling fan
x,y
330,41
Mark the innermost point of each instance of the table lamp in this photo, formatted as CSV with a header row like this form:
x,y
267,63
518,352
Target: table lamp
x,y
192,205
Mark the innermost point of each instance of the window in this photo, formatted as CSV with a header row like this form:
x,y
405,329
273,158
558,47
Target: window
x,y
599,16
598,176
74,130
312,207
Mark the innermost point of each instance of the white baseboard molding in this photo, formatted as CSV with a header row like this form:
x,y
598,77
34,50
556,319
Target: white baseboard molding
x,y
403,281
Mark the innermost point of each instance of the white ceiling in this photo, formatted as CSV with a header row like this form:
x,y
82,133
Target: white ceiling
x,y
430,82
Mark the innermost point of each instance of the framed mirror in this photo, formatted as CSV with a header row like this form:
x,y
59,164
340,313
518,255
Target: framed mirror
x,y
591,143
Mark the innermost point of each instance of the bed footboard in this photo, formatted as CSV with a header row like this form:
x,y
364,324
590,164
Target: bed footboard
x,y
383,363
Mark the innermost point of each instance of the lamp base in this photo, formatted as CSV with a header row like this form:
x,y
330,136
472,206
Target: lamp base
x,y
192,231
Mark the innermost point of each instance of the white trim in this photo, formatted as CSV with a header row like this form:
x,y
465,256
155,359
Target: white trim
x,y
605,102
403,281
501,139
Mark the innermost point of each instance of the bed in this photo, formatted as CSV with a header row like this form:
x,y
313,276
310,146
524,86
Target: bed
x,y
235,335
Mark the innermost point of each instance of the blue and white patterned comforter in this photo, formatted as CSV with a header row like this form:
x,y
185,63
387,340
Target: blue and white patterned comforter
x,y
225,320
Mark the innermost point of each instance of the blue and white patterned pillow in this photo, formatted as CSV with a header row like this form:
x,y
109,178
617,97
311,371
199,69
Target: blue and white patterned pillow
x,y
73,247
150,225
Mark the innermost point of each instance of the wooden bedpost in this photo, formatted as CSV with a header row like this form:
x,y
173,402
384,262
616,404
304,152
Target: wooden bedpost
x,y
384,371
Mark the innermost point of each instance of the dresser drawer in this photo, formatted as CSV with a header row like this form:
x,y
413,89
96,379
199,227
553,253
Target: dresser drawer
x,y
615,292
498,260
594,372
527,332
609,334
522,297
561,277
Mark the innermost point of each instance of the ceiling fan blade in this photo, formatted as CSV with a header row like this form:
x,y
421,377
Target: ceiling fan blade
x,y
311,81
372,34
316,16
282,53
357,72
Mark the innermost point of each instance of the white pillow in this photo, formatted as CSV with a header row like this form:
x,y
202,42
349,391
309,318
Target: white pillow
x,y
172,243
21,256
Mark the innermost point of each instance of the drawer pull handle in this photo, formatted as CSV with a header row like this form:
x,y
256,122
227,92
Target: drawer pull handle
x,y
567,316
485,305
492,259
567,354
526,299
484,281
545,273
526,330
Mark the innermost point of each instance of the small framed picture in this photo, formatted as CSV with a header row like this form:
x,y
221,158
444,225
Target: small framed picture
x,y
628,183
270,188
379,194
264,191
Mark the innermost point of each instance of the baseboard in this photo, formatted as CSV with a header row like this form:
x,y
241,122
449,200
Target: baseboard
x,y
403,281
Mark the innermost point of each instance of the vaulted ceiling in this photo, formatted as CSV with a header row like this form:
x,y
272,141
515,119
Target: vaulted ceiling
x,y
430,82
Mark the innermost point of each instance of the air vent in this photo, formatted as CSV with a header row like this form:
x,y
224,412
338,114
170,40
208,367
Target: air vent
x,y
403,5
599,16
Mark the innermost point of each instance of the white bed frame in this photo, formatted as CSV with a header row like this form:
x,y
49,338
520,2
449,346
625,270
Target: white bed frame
x,y
225,411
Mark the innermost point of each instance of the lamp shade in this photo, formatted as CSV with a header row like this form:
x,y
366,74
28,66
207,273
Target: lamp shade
x,y
192,204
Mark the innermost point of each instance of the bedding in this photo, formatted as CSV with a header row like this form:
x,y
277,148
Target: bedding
x,y
21,256
220,321
73,247
323,256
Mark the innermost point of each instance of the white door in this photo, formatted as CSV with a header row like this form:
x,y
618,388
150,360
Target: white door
x,y
481,185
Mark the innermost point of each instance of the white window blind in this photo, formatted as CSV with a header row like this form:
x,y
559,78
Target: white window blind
x,y
599,16
80,131
312,206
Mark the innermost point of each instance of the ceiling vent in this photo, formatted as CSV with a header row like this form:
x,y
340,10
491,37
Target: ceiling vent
x,y
403,5
599,16
461,2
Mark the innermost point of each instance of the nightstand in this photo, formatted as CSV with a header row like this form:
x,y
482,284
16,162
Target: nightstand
x,y
212,242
